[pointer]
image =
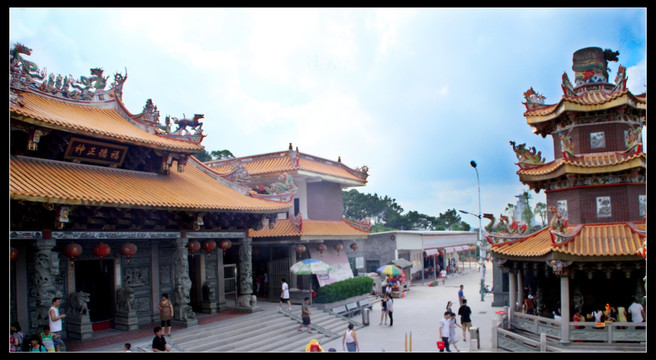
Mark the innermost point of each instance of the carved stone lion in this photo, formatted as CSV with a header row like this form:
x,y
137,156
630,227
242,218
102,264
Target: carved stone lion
x,y
78,305
125,300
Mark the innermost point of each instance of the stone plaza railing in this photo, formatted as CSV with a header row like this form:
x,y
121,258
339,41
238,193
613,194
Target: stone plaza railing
x,y
582,331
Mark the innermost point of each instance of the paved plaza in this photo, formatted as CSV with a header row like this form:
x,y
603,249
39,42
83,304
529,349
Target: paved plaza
x,y
419,313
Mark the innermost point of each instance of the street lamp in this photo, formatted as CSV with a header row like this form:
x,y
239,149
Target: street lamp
x,y
480,241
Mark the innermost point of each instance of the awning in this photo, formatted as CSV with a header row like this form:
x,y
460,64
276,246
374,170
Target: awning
x,y
431,252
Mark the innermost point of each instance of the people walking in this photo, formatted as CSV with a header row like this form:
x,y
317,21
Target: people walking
x,y
284,294
465,318
48,339
453,324
445,325
449,306
165,312
461,294
350,340
305,315
55,322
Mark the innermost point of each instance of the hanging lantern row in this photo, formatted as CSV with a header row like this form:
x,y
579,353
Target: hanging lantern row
x,y
322,248
13,254
193,246
73,250
225,244
300,248
339,247
101,250
128,250
209,245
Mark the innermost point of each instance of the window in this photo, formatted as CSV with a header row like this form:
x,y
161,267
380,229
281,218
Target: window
x,y
561,205
603,206
642,203
597,140
297,206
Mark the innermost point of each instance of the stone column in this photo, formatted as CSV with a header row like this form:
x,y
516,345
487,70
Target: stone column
x,y
512,294
43,290
564,309
220,279
184,315
520,288
246,302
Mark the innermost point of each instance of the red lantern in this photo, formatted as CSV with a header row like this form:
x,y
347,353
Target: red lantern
x,y
73,250
321,248
101,250
127,250
225,244
209,245
193,246
355,246
300,248
13,254
339,247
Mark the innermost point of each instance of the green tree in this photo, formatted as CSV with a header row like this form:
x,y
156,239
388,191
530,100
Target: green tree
x,y
204,156
510,211
541,210
527,213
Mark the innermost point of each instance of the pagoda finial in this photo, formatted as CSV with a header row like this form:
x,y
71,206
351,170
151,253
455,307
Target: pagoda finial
x,y
290,146
339,159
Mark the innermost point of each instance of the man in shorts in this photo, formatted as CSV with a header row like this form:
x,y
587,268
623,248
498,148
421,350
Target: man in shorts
x,y
305,315
465,320
284,295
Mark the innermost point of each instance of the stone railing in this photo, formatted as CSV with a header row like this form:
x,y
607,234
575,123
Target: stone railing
x,y
582,331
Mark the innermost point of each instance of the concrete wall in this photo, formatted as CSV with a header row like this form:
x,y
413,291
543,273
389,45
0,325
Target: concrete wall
x,y
324,201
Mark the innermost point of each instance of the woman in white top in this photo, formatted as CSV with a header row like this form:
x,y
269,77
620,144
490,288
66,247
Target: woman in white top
x,y
350,339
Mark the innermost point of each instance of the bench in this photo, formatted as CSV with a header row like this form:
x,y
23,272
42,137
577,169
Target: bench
x,y
352,309
364,303
339,310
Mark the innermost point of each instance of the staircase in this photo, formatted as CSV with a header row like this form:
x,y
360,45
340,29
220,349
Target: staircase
x,y
264,331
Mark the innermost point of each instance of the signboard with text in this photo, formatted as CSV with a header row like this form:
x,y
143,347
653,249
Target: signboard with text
x,y
95,152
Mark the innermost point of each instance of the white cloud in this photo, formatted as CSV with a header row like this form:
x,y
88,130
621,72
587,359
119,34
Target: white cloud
x,y
637,78
387,22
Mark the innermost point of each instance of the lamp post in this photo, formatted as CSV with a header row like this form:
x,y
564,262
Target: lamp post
x,y
480,242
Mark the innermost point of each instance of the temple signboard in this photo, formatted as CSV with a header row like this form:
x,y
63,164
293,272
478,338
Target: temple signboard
x,y
95,152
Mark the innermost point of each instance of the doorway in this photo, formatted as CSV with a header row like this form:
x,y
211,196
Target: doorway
x,y
96,278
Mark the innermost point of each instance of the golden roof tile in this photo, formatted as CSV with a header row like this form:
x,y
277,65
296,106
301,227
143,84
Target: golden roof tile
x,y
614,239
60,182
599,162
274,164
310,228
92,120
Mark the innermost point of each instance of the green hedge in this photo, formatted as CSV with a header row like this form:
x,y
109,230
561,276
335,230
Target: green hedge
x,y
344,289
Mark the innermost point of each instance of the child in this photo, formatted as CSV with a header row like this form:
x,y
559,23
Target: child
x,y
48,338
35,344
452,331
383,309
127,347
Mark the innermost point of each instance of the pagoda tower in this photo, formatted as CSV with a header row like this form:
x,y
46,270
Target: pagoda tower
x,y
596,197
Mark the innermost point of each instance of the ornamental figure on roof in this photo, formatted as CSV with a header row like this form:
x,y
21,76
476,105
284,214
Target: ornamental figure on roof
x,y
194,123
566,146
285,185
96,81
633,139
591,65
527,158
558,222
533,99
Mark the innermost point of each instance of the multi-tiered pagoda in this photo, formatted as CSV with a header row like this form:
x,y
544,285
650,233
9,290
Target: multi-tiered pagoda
x,y
595,187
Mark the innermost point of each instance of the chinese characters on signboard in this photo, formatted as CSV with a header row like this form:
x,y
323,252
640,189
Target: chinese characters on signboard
x,y
95,152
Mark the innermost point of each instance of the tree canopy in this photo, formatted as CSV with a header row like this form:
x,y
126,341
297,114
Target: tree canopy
x,y
386,214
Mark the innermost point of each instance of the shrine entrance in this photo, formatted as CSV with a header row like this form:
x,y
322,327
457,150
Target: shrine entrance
x,y
96,277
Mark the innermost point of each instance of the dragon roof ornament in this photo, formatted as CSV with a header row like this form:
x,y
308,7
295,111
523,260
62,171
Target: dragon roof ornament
x,y
281,191
500,232
533,99
26,76
527,158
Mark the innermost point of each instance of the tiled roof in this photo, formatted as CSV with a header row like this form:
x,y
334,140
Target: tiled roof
x,y
281,162
61,182
310,228
616,239
97,121
597,162
588,101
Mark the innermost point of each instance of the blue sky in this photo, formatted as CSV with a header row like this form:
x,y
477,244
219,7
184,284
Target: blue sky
x,y
414,94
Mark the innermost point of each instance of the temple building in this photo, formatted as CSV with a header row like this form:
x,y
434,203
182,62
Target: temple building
x,y
589,254
314,225
110,209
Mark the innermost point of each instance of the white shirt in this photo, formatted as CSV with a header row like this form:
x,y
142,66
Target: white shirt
x,y
597,315
57,324
636,312
443,273
445,326
349,338
285,291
